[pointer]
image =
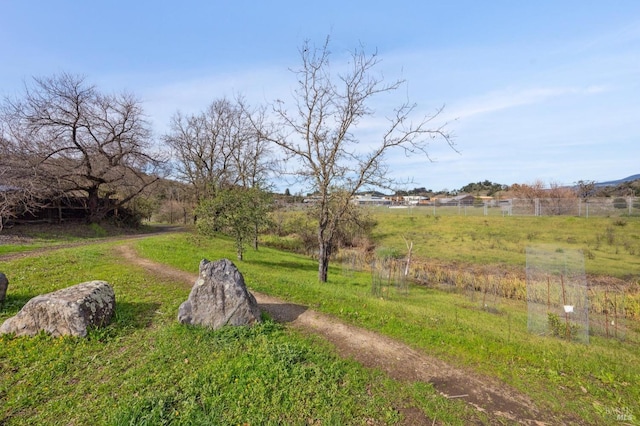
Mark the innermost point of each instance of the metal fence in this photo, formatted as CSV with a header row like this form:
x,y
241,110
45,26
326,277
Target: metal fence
x,y
557,293
607,207
387,274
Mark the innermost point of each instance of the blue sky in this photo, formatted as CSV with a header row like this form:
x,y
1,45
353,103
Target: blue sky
x,y
545,90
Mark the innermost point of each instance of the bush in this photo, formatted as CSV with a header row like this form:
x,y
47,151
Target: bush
x,y
389,253
620,203
302,225
98,230
559,328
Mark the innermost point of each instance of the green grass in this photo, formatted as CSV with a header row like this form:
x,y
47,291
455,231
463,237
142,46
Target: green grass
x,y
21,248
34,236
145,368
589,382
611,245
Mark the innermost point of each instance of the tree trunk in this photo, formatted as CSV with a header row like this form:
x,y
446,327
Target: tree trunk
x,y
255,236
324,252
324,247
239,247
93,205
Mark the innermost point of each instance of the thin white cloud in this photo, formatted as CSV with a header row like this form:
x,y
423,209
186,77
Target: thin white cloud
x,y
609,40
193,94
507,99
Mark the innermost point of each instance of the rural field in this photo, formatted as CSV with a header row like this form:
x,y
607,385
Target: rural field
x,y
145,368
331,168
611,245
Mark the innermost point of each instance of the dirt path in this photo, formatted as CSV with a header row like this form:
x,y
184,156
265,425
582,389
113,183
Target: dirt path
x,y
11,239
398,360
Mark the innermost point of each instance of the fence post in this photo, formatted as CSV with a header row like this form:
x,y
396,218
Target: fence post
x,y
579,207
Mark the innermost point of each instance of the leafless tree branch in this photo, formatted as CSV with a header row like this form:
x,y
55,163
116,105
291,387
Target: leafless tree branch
x,y
318,133
80,140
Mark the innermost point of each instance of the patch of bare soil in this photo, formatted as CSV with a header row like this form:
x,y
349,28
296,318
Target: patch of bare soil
x,y
499,401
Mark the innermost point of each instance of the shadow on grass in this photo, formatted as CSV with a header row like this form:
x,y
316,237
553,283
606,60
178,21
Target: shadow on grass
x,y
128,316
134,314
284,264
283,312
12,304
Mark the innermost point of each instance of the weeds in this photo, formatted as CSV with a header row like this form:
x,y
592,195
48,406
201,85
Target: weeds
x,y
560,328
610,235
98,231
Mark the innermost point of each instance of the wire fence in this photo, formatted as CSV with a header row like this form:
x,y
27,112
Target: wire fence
x,y
387,274
559,299
596,207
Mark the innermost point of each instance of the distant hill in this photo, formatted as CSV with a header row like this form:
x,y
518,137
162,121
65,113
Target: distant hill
x,y
619,181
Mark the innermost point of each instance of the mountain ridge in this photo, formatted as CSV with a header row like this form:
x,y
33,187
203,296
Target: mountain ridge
x,y
619,181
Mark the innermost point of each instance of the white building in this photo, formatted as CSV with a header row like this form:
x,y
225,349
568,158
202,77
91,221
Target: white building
x,y
370,200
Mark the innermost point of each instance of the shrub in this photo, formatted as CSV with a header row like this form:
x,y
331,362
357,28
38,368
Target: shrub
x,y
389,253
620,203
560,329
98,230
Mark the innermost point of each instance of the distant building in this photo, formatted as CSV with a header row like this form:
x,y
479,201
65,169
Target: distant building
x,y
370,200
460,200
415,200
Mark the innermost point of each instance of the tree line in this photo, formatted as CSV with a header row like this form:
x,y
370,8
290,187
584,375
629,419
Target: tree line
x,y
63,138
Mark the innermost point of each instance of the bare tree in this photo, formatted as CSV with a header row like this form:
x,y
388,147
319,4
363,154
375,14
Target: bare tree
x,y
317,134
556,199
175,202
219,147
252,158
24,188
561,199
200,146
15,195
585,188
78,140
529,192
19,193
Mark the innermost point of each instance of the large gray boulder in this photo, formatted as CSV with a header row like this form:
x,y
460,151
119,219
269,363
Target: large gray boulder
x,y
69,311
219,297
4,283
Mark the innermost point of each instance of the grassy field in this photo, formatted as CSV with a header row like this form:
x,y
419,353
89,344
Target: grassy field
x,y
489,253
145,368
589,382
31,237
611,245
